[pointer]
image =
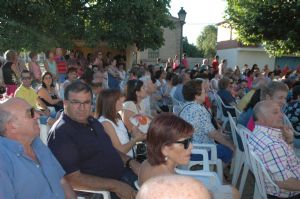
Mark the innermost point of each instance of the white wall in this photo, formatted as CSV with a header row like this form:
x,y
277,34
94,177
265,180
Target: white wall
x,y
225,33
241,56
230,55
260,58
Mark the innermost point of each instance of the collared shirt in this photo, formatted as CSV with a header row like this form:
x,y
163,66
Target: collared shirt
x,y
277,156
198,116
85,147
28,94
21,177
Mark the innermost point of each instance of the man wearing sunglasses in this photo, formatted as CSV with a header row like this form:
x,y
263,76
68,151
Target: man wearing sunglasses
x,y
85,150
28,169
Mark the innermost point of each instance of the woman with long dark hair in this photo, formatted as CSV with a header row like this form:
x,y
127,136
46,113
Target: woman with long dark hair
x,y
109,103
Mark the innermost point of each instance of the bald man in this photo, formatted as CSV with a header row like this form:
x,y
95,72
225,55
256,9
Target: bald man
x,y
272,143
173,186
27,167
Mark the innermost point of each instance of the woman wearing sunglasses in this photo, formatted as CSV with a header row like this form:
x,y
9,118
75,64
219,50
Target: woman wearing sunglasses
x,y
168,145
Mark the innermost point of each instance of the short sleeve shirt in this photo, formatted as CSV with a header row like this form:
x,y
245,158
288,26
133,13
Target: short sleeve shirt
x,y
85,148
21,177
198,116
28,94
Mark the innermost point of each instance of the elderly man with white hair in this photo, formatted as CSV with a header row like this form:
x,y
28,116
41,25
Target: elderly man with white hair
x,y
27,167
272,142
173,186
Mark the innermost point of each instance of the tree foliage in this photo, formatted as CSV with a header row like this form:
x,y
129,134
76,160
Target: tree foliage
x,y
190,49
275,24
207,41
42,24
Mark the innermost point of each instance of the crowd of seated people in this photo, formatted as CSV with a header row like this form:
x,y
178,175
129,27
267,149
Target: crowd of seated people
x,y
106,113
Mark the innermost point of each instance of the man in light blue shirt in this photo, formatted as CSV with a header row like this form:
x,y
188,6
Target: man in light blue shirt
x,y
27,167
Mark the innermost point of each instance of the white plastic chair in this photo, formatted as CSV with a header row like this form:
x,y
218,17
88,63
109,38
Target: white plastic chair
x,y
106,194
239,158
207,177
237,112
244,134
213,161
136,184
220,105
261,175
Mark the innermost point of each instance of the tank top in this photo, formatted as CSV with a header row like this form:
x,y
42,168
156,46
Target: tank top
x,y
120,130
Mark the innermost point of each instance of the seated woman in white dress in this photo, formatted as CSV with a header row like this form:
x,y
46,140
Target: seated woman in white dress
x,y
133,105
109,102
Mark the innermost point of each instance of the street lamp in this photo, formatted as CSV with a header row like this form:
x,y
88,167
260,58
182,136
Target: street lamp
x,y
181,16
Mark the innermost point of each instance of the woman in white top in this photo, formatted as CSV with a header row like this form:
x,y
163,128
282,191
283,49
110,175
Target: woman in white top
x,y
108,104
135,93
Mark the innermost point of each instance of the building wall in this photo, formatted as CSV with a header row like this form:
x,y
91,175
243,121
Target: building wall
x,y
171,45
230,55
241,56
260,58
225,33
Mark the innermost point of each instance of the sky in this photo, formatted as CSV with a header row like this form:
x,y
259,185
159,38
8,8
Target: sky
x,y
200,13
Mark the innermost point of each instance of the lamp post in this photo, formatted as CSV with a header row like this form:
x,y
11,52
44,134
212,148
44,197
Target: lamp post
x,y
181,16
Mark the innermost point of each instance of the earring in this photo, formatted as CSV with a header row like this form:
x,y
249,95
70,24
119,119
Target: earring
x,y
166,158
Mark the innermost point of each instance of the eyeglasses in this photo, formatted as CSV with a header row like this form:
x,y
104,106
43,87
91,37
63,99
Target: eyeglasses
x,y
77,103
186,143
25,78
32,111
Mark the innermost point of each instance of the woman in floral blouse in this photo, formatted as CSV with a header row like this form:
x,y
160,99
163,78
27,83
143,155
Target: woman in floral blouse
x,y
206,131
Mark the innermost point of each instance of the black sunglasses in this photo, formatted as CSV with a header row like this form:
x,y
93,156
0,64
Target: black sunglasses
x,y
186,143
32,111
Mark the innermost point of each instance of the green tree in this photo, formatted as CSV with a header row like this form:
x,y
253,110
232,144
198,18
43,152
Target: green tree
x,y
274,24
190,49
207,41
42,24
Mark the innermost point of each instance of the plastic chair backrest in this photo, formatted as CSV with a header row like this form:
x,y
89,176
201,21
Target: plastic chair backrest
x,y
207,177
245,134
205,160
237,112
233,128
219,104
136,184
261,174
213,160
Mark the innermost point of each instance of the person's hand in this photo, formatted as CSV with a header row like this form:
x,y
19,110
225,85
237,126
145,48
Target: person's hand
x,y
288,134
137,134
124,191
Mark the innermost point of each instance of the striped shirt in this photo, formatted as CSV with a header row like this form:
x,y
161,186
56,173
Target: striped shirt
x,y
277,156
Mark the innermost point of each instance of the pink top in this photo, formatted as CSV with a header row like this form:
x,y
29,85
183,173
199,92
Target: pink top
x,y
251,124
185,63
36,70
